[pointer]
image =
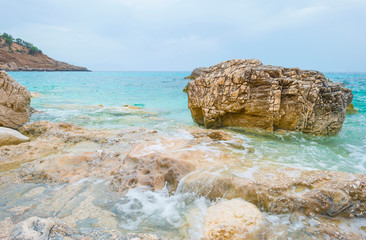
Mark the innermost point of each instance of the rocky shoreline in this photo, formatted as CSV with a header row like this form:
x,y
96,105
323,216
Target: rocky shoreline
x,y
65,181
63,154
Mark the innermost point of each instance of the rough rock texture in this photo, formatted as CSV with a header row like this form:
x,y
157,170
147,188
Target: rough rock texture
x,y
351,109
18,59
289,190
154,164
14,102
36,228
246,93
232,219
196,73
11,137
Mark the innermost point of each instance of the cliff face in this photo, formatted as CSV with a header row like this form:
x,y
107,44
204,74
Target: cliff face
x,y
17,58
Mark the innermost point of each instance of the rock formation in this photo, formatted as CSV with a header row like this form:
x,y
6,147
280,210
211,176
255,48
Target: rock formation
x,y
9,137
69,170
196,73
246,93
232,219
288,190
14,102
154,164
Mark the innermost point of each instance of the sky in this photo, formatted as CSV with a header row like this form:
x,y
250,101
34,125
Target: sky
x,y
179,35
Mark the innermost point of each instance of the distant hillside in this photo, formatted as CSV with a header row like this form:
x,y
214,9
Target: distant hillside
x,y
19,55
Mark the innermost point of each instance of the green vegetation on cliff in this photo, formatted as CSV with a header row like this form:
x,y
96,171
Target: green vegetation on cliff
x,y
9,40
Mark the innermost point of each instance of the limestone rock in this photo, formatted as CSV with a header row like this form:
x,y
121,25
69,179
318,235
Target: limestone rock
x,y
35,94
145,165
165,161
14,102
311,192
246,93
33,228
11,137
351,109
196,73
232,219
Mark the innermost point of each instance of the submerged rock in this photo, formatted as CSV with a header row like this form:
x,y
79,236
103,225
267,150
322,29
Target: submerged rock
x,y
35,94
232,219
14,102
36,228
11,137
351,109
246,93
293,190
154,164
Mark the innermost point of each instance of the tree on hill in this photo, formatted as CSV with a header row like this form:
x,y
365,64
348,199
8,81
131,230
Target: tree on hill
x,y
9,40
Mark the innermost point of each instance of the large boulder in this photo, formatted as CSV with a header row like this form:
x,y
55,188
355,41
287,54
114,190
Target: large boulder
x,y
14,102
246,93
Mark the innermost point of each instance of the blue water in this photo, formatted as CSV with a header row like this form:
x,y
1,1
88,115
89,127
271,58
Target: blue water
x,y
96,100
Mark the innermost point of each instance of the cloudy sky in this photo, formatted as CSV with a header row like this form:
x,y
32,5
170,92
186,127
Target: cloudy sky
x,y
105,35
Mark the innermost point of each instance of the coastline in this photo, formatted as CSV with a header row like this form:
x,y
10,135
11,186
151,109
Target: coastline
x,y
78,175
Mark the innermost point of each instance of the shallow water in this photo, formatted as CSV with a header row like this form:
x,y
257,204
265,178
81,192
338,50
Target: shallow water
x,y
98,99
75,96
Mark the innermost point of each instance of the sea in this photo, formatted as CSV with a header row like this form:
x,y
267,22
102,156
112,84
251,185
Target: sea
x,y
155,100
98,100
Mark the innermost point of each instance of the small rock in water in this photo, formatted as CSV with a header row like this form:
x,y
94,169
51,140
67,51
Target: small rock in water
x,y
35,94
351,109
11,137
232,219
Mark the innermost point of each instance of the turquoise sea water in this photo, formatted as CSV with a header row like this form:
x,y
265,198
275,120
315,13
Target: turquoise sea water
x,y
97,99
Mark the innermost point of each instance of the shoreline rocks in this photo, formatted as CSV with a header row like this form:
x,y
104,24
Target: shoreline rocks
x,y
79,176
14,102
232,219
246,93
11,137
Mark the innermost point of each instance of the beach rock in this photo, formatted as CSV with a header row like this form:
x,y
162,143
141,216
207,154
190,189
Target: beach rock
x,y
351,109
35,94
232,219
246,93
286,191
196,73
36,228
11,137
216,135
33,228
166,161
147,165
14,102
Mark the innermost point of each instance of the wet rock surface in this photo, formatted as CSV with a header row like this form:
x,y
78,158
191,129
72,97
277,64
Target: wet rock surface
x,y
71,181
11,137
246,93
285,191
14,102
166,161
36,228
232,219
